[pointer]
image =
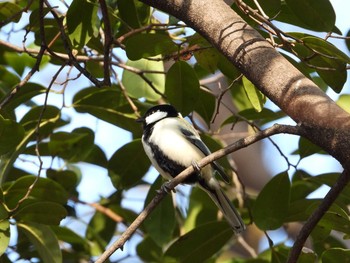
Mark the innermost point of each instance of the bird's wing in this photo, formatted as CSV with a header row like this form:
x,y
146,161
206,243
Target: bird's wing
x,y
192,136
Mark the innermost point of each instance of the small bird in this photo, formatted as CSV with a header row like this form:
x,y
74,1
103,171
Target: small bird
x,y
172,144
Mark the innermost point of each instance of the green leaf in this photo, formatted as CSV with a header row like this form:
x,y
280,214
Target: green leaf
x,y
9,12
149,251
44,190
201,243
328,60
96,156
201,210
134,13
182,87
317,15
272,203
24,94
11,134
137,87
301,186
100,230
208,58
205,106
307,148
326,244
344,102
107,104
152,45
128,165
67,235
68,179
81,22
74,146
48,213
50,119
44,240
19,61
161,222
4,235
335,255
256,98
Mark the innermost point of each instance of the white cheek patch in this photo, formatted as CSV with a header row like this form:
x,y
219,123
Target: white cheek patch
x,y
156,116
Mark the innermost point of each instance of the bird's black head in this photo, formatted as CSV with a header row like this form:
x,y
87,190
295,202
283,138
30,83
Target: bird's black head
x,y
158,113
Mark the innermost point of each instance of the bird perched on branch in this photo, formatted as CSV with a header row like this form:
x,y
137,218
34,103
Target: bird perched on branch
x,y
172,144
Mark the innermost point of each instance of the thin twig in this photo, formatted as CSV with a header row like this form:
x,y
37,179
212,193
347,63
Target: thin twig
x,y
108,41
242,143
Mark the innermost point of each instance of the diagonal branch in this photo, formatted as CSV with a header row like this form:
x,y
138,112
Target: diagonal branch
x,y
242,143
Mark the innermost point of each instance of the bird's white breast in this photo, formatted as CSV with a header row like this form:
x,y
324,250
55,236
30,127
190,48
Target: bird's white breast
x,y
168,137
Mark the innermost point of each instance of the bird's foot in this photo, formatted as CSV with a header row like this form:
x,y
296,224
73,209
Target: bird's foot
x,y
166,188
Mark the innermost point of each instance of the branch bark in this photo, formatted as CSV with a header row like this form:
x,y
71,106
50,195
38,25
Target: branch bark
x,y
326,124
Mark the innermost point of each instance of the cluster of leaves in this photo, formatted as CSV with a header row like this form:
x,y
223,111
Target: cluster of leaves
x,y
35,205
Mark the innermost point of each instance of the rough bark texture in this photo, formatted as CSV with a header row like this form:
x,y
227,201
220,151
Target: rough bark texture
x,y
324,123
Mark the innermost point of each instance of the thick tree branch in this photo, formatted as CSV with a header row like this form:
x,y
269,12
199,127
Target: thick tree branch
x,y
242,143
327,125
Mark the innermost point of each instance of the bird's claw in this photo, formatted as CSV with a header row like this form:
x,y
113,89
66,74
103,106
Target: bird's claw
x,y
166,188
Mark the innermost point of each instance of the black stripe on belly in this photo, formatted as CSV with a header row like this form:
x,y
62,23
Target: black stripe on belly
x,y
170,166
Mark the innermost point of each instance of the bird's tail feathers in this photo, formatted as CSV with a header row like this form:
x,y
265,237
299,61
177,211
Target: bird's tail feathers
x,y
226,207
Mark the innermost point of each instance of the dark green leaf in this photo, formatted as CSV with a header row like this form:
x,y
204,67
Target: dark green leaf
x,y
128,165
317,15
96,156
161,222
44,190
134,13
329,242
4,235
81,27
272,203
347,41
201,210
182,87
307,148
10,12
107,104
301,186
11,134
68,179
24,94
74,146
227,68
44,240
335,255
201,243
99,232
67,235
50,119
7,81
205,106
137,87
152,45
48,213
149,251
